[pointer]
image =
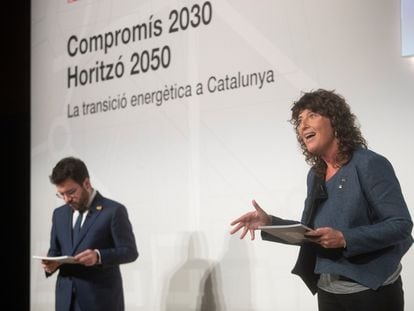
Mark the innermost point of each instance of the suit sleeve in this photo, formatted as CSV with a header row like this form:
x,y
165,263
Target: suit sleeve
x,y
125,249
391,222
54,248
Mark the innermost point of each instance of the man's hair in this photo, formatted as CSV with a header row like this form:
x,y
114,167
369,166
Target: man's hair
x,y
344,124
69,167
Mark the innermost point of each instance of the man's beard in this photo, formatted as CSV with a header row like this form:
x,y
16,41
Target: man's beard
x,y
83,201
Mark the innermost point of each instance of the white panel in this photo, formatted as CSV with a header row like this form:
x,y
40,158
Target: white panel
x,y
407,27
186,167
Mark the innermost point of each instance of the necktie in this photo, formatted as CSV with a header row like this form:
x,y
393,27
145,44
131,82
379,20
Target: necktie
x,y
77,228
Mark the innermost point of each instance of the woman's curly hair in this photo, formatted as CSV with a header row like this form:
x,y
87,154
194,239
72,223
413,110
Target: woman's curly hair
x,y
344,124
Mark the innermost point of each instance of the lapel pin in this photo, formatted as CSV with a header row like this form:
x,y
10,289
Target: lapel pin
x,y
341,185
99,207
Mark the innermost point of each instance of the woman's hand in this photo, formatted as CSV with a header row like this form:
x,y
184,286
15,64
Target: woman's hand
x,y
327,237
251,221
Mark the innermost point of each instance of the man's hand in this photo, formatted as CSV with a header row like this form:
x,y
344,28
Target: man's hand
x,y
88,257
251,221
50,266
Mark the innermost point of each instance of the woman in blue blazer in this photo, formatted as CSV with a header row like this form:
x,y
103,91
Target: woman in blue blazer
x,y
362,226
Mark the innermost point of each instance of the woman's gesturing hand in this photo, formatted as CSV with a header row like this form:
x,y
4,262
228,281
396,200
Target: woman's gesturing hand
x,y
251,221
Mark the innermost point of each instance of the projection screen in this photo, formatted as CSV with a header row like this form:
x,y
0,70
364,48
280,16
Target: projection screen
x,y
180,110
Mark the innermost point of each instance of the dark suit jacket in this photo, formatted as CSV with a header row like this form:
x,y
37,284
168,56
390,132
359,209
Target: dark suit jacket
x,y
106,228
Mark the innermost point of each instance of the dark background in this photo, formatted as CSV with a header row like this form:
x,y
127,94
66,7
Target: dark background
x,y
15,154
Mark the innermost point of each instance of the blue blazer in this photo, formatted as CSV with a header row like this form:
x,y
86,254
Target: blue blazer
x,y
364,201
106,228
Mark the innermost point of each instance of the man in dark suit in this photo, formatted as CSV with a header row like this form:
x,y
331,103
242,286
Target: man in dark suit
x,y
97,232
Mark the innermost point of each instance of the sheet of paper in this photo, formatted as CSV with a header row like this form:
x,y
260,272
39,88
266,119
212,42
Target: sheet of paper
x,y
292,233
61,259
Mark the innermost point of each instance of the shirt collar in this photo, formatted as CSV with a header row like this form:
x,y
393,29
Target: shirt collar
x,y
91,197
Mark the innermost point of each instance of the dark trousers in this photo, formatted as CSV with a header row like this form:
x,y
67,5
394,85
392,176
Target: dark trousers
x,y
385,298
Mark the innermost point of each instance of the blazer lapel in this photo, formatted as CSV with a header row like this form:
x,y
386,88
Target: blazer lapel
x,y
318,195
69,226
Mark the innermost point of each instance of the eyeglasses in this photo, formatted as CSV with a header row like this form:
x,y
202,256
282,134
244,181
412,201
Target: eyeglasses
x,y
69,194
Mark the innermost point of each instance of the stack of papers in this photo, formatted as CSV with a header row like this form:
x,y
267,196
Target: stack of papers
x,y
61,259
292,234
